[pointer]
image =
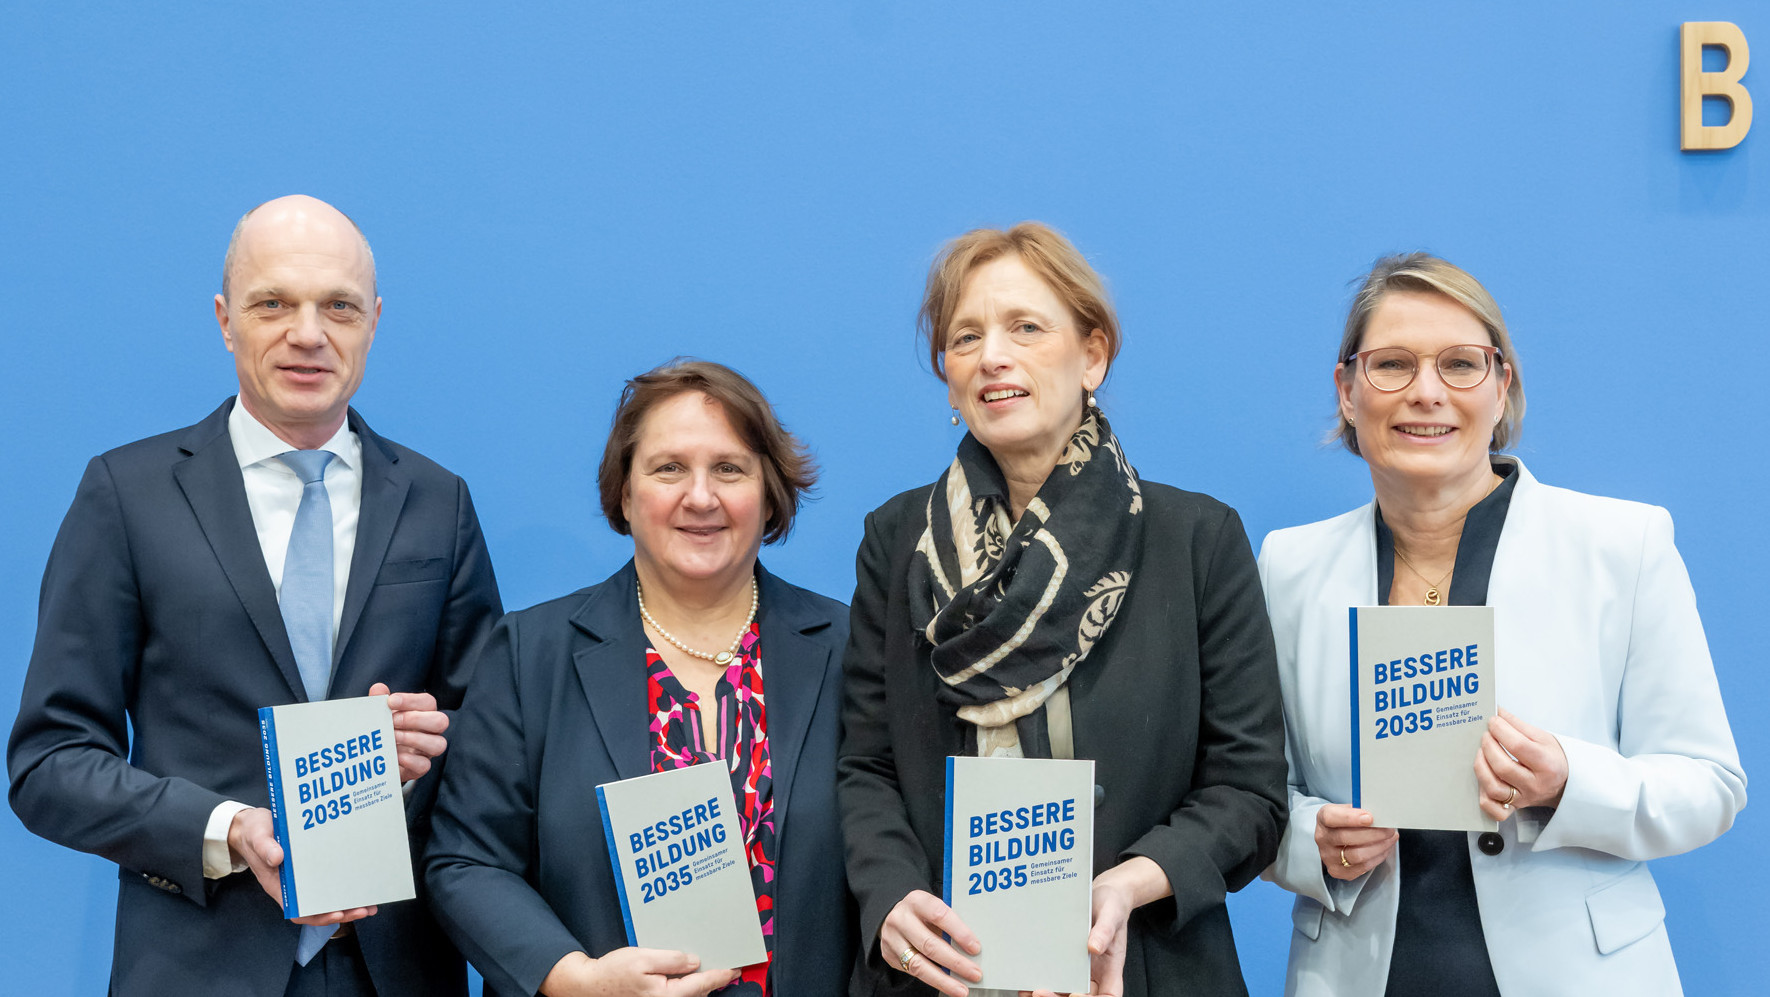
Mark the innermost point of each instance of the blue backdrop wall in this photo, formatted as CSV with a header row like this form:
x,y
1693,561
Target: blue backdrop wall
x,y
562,198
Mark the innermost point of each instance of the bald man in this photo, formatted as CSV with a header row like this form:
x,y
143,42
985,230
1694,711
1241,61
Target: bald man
x,y
161,632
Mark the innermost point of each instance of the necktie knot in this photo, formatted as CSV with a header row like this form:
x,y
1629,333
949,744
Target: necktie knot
x,y
308,465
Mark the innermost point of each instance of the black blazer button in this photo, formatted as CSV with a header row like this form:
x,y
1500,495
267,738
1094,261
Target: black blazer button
x,y
1490,843
1099,795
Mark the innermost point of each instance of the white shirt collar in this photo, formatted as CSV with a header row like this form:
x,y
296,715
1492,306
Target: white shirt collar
x,y
254,443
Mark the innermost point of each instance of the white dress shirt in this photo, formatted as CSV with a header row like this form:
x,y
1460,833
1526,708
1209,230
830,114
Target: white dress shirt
x,y
273,493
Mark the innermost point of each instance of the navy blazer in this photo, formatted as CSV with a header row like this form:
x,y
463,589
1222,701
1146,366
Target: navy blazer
x,y
157,611
518,871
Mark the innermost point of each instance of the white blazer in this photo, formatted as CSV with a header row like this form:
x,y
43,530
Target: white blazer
x,y
1597,640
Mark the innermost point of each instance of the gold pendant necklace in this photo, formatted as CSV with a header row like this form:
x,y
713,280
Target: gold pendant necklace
x,y
1433,596
723,657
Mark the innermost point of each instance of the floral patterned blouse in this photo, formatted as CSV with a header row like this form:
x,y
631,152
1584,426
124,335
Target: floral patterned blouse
x,y
741,719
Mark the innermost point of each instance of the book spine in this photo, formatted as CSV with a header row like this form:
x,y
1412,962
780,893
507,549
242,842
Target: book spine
x,y
614,857
1357,731
279,814
946,876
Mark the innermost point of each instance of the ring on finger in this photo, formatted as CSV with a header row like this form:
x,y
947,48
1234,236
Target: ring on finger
x,y
909,954
1509,799
1343,861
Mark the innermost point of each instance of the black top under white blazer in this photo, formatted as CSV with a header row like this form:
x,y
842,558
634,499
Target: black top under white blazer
x,y
1597,641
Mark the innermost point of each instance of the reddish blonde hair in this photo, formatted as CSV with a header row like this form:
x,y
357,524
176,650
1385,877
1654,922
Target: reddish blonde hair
x,y
1045,252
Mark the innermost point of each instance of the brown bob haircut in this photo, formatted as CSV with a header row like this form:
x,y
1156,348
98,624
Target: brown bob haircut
x,y
788,472
1046,253
1428,274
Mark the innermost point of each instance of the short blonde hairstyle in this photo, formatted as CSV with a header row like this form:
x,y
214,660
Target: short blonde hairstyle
x,y
1045,252
1423,272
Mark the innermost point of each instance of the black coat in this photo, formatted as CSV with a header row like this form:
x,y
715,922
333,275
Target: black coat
x,y
1178,705
518,870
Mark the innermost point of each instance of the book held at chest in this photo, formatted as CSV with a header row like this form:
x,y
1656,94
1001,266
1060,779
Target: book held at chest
x,y
680,865
1020,867
1422,683
336,804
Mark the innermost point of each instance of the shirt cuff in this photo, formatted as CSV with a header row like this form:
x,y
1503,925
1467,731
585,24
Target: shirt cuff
x,y
218,860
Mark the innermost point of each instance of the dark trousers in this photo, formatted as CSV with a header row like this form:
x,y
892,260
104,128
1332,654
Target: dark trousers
x,y
337,970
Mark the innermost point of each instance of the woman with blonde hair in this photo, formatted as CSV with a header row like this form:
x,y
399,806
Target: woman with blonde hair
x,y
1042,600
1611,746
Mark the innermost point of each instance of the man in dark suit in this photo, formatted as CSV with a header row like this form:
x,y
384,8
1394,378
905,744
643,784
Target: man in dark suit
x,y
207,572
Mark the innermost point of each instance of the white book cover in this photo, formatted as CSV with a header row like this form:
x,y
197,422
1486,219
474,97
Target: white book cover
x,y
1422,692
336,803
1020,867
680,865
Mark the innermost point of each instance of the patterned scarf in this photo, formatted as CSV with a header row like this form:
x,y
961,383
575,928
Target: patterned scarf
x,y
1012,608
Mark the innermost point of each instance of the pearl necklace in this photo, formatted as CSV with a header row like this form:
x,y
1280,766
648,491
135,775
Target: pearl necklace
x,y
723,657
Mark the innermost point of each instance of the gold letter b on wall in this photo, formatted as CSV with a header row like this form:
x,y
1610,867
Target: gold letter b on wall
x,y
1696,84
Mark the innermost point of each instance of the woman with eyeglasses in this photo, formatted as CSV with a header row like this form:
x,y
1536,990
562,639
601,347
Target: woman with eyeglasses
x,y
1611,746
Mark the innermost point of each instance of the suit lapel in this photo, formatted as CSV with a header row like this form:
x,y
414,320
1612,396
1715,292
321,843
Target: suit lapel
x,y
793,669
1527,635
611,670
1355,573
1348,556
211,481
612,673
384,495
1519,553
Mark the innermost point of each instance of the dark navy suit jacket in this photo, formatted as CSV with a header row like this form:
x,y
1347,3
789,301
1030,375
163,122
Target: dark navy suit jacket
x,y
157,611
518,871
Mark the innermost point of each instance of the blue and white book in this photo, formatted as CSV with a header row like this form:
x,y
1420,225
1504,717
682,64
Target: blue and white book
x,y
335,800
1422,692
680,865
1020,867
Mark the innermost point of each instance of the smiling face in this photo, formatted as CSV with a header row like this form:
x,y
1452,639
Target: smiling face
x,y
694,495
1017,368
1427,434
298,316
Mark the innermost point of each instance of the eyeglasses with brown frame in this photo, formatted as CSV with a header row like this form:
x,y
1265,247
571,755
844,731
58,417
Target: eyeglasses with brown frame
x,y
1392,368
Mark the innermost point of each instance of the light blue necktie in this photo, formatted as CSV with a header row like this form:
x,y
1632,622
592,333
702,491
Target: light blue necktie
x,y
306,601
306,595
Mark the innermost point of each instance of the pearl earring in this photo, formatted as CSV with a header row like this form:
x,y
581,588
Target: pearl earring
x,y
955,418
1092,403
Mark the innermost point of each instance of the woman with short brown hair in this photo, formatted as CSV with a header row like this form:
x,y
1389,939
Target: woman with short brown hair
x,y
659,667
